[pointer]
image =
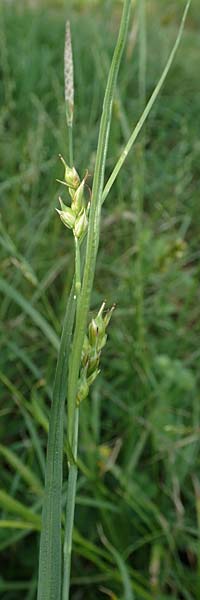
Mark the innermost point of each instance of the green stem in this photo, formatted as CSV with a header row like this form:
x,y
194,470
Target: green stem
x,y
70,510
70,145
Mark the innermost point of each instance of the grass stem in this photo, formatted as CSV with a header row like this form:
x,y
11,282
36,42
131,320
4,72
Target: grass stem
x,y
70,510
70,145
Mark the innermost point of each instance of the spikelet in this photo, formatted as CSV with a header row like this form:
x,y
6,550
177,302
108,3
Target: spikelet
x,y
69,76
93,344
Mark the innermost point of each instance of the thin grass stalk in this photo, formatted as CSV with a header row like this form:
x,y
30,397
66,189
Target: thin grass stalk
x,y
70,145
88,276
70,510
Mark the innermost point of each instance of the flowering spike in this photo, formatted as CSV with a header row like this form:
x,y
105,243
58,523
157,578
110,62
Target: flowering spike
x,y
69,76
91,352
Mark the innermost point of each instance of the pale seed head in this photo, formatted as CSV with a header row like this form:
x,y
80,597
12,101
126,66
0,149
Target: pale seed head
x,y
69,75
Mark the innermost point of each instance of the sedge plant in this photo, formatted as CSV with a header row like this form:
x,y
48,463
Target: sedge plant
x,y
81,344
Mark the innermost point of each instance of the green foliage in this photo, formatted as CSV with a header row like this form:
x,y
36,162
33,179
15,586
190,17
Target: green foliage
x,y
137,517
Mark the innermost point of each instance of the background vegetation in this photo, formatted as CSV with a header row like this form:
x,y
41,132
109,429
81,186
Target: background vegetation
x,y
138,508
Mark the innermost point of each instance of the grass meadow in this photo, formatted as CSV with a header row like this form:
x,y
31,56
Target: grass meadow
x,y
137,520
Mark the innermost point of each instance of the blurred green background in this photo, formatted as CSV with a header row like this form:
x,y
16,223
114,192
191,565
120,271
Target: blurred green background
x,y
138,507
